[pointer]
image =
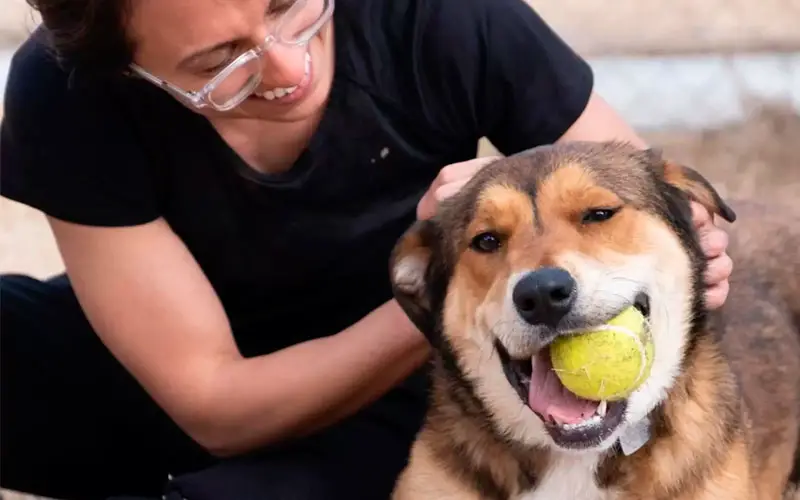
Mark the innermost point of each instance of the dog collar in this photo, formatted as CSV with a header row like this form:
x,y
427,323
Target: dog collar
x,y
635,436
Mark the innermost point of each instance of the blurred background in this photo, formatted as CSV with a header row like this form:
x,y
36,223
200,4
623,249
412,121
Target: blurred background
x,y
715,83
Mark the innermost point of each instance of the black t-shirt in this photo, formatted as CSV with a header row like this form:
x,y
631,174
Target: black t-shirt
x,y
305,253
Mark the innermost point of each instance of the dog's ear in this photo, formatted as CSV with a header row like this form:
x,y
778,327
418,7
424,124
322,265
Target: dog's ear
x,y
696,187
417,277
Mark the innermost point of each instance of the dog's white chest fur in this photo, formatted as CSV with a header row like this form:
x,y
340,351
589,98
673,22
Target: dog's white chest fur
x,y
571,477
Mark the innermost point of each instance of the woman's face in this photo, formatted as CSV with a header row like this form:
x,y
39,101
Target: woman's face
x,y
187,42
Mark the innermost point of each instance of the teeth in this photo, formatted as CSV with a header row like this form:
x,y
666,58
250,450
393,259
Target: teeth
x,y
595,419
589,422
278,92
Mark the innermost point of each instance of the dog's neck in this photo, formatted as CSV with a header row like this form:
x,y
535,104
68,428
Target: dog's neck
x,y
690,432
458,423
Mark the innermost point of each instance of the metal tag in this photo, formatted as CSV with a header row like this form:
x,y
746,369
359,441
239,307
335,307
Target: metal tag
x,y
635,436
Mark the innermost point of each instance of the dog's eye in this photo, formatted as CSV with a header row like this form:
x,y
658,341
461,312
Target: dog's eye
x,y
486,242
598,215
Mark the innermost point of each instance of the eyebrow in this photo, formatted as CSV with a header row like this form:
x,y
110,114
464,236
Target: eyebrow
x,y
191,59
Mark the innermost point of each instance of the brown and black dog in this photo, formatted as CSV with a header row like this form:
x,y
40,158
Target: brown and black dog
x,y
564,237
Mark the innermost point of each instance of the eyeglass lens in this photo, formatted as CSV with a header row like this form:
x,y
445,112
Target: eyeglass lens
x,y
292,28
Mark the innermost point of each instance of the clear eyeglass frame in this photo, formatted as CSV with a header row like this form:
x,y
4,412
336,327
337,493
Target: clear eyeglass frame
x,y
202,98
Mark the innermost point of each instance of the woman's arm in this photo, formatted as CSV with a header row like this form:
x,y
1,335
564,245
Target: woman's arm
x,y
600,122
154,309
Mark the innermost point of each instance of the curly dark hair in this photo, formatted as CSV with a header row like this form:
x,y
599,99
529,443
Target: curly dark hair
x,y
88,35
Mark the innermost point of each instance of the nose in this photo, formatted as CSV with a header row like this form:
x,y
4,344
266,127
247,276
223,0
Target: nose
x,y
544,296
282,66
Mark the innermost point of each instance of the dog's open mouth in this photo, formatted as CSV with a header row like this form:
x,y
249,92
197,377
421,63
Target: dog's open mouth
x,y
571,421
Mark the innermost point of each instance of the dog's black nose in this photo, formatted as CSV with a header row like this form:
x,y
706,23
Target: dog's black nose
x,y
544,296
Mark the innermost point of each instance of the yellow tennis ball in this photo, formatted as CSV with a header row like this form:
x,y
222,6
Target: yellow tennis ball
x,y
608,362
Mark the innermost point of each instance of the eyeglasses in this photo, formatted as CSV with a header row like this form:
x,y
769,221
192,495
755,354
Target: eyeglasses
x,y
234,83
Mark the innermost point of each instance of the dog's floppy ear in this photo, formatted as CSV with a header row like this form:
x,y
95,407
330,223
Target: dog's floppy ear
x,y
417,277
696,187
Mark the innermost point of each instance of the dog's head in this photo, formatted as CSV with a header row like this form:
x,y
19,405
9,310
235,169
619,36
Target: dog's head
x,y
551,240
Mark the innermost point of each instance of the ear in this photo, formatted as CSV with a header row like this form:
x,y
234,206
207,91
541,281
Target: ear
x,y
697,188
417,278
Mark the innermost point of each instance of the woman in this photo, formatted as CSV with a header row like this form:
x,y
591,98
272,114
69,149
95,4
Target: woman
x,y
225,181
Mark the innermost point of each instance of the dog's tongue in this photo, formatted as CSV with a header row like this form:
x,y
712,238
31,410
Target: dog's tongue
x,y
550,399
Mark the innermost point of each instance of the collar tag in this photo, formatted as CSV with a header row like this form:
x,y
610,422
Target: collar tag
x,y
635,436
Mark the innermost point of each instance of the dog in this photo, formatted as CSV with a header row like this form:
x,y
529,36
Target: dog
x,y
564,237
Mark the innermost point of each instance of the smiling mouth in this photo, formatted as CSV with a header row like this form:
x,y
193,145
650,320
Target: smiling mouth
x,y
282,94
571,421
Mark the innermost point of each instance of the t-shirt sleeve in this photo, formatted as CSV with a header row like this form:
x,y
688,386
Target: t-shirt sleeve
x,y
495,68
67,149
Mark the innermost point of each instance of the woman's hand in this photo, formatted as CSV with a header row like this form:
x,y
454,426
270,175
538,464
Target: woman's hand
x,y
714,242
450,179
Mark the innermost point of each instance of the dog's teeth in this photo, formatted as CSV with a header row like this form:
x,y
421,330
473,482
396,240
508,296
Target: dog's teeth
x,y
595,420
602,408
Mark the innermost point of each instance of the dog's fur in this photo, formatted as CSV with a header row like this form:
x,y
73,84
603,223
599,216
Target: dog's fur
x,y
723,397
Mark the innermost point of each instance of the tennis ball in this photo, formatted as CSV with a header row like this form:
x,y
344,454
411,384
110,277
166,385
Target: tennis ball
x,y
608,362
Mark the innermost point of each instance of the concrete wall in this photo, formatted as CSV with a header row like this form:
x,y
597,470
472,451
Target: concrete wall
x,y
16,21
601,27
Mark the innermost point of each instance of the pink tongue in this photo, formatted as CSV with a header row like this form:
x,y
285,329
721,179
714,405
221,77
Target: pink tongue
x,y
553,401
